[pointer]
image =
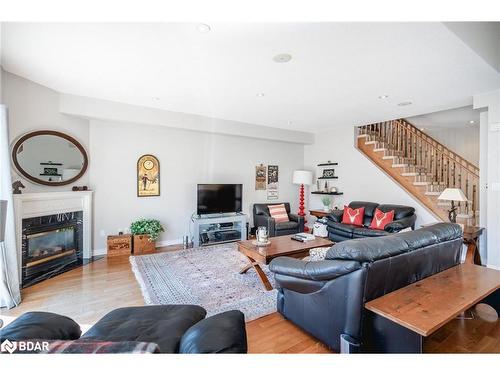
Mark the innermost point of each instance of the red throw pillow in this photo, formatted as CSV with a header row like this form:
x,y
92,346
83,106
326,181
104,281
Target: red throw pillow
x,y
381,219
278,213
353,216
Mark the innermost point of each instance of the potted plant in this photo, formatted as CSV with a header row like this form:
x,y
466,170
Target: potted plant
x,y
145,232
326,203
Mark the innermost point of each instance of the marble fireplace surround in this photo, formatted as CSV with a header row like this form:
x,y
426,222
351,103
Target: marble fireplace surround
x,y
28,205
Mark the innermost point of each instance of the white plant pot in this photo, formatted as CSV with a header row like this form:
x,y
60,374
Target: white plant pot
x,y
326,208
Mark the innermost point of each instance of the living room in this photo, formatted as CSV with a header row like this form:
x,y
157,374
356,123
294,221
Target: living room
x,y
208,197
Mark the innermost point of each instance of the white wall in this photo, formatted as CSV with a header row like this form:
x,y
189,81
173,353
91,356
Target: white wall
x,y
490,174
359,178
464,141
186,158
36,107
1,70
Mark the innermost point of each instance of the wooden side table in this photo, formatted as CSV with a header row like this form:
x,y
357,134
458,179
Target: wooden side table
x,y
319,213
471,239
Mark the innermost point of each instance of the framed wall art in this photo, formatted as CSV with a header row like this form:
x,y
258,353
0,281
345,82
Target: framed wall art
x,y
260,177
148,176
272,182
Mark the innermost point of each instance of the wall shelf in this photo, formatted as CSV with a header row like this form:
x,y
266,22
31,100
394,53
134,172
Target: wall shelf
x,y
51,175
327,164
328,178
325,193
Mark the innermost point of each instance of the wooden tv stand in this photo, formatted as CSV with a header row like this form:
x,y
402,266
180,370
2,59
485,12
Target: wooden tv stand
x,y
404,317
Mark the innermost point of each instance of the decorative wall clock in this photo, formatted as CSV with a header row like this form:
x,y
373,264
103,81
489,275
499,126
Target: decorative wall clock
x,y
148,176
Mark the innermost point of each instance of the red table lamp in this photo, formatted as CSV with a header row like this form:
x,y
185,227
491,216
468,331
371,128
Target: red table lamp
x,y
302,178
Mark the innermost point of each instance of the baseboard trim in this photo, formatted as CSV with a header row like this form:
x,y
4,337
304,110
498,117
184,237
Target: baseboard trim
x,y
168,243
492,266
99,252
104,251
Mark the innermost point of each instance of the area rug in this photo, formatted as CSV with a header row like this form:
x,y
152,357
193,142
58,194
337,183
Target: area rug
x,y
205,276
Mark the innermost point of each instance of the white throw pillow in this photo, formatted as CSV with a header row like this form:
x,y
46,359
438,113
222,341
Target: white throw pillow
x,y
318,253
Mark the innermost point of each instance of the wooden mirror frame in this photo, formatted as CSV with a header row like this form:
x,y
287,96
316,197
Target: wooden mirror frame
x,y
26,175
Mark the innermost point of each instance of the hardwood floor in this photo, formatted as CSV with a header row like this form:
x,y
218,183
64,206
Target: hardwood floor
x,y
87,293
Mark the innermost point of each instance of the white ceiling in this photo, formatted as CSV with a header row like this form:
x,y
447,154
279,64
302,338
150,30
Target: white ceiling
x,y
337,72
452,118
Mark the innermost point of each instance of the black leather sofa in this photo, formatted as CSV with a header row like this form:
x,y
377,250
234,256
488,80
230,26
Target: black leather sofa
x,y
174,328
326,298
404,217
261,217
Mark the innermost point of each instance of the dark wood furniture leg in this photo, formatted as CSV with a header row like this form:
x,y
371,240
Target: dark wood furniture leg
x,y
390,337
262,275
473,256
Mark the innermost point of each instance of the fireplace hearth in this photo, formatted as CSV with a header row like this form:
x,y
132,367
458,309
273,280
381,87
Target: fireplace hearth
x,y
51,245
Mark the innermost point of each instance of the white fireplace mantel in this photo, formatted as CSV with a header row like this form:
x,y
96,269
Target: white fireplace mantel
x,y
28,205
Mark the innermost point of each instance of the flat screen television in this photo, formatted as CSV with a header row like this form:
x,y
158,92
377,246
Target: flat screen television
x,y
219,198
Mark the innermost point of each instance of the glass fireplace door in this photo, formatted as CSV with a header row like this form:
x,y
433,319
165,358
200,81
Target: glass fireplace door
x,y
50,245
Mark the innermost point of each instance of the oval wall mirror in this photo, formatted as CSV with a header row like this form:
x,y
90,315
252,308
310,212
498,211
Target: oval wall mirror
x,y
49,158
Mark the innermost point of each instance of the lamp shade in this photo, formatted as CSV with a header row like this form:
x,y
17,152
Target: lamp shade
x,y
302,177
453,194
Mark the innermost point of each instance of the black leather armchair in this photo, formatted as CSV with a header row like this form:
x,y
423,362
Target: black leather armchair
x,y
326,298
404,217
261,217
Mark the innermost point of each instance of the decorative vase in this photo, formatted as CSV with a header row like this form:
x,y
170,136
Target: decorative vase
x,y
142,244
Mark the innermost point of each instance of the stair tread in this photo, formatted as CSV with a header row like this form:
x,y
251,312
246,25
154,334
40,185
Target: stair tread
x,y
417,177
433,192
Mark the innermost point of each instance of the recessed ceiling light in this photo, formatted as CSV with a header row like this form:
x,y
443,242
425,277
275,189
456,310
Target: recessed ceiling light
x,y
282,58
290,122
260,94
402,104
471,121
383,96
156,98
203,28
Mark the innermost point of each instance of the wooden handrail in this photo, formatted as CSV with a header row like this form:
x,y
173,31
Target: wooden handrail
x,y
434,163
467,164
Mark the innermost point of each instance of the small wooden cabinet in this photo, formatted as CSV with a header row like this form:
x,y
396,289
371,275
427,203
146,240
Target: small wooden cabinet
x,y
119,245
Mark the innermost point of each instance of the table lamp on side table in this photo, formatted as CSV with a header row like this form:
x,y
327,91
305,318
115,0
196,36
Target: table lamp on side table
x,y
302,178
453,195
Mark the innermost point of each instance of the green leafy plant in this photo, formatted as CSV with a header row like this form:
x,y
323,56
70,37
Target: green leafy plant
x,y
326,201
151,227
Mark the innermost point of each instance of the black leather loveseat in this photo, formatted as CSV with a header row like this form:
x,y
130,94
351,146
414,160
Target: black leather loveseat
x,y
173,328
404,217
261,217
326,298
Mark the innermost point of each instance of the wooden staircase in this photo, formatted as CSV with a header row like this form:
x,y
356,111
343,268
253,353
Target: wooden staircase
x,y
422,166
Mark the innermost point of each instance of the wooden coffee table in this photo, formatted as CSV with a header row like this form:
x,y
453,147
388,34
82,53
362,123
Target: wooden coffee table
x,y
279,246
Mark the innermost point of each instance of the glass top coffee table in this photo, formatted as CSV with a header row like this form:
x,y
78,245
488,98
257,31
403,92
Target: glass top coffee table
x,y
279,246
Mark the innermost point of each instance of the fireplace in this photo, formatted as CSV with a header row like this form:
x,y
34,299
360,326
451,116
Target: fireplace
x,y
51,245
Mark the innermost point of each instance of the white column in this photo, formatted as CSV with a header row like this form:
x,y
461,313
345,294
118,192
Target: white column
x,y
490,175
